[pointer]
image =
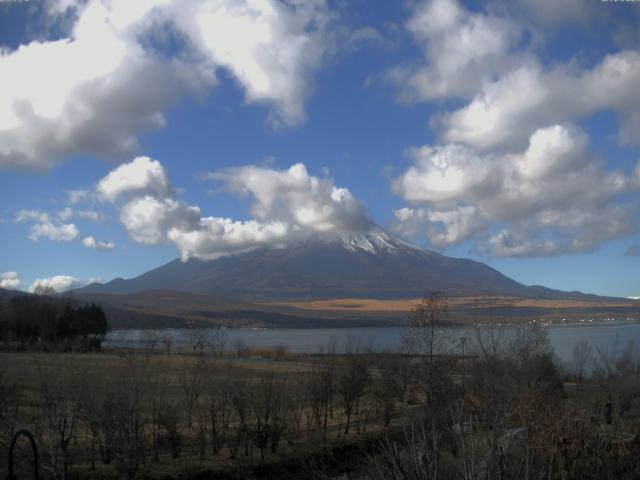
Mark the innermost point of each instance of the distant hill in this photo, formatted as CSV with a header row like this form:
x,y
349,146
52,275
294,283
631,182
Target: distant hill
x,y
373,265
5,294
173,309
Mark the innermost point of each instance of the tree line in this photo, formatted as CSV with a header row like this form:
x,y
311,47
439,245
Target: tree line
x,y
45,321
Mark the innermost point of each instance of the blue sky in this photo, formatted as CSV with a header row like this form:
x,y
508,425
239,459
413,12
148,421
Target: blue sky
x,y
503,131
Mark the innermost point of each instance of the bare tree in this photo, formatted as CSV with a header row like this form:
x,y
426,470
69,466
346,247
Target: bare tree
x,y
190,379
152,339
10,402
269,406
218,395
617,371
167,344
581,357
299,400
89,414
197,340
351,386
44,290
387,387
428,337
320,391
481,442
241,423
240,347
157,404
170,432
530,357
416,456
130,396
60,395
217,341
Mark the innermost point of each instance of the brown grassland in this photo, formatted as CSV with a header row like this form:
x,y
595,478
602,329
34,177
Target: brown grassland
x,y
408,305
508,411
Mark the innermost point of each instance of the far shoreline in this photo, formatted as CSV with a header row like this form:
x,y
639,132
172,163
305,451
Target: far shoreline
x,y
348,325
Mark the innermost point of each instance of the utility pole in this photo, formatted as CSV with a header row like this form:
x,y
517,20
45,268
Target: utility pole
x,y
462,342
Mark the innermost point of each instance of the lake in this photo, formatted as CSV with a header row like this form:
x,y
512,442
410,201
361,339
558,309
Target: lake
x,y
563,337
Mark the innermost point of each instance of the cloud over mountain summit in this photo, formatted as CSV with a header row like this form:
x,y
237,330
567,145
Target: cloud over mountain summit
x,y
287,204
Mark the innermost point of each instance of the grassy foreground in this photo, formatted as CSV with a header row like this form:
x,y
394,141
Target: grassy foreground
x,y
507,411
137,415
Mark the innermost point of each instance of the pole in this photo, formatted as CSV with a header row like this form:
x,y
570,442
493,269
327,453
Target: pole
x,y
462,341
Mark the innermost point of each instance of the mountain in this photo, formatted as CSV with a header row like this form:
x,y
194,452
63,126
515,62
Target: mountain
x,y
6,294
374,265
373,278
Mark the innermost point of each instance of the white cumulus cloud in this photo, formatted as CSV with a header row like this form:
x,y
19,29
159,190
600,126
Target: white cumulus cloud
x,y
462,51
215,237
45,227
505,112
511,172
91,242
295,197
10,280
141,176
552,198
83,94
60,283
98,88
271,47
148,219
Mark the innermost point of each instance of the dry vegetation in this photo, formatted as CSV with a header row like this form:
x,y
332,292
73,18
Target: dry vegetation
x,y
506,412
484,302
136,415
483,309
162,309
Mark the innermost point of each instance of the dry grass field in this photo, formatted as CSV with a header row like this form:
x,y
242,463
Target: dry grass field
x,y
175,400
269,414
481,303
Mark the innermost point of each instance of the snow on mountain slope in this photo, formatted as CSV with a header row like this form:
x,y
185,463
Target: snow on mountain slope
x,y
375,241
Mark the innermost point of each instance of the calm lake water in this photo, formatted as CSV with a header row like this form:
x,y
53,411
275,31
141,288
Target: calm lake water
x,y
563,337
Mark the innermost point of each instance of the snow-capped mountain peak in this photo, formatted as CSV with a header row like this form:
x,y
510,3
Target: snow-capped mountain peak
x,y
376,240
